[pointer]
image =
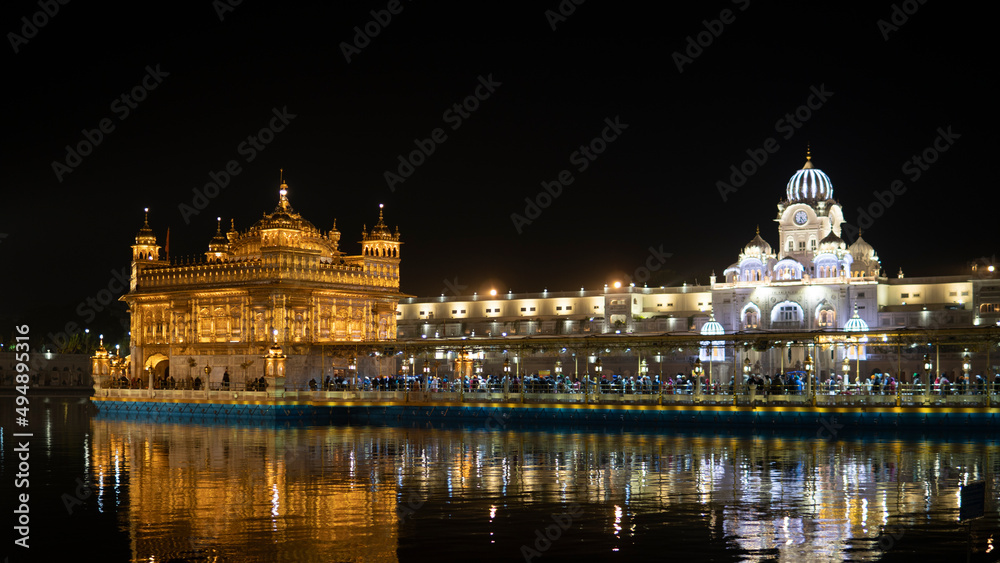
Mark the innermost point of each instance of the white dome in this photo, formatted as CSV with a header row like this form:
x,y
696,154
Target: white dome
x,y
856,323
831,242
757,247
809,184
862,251
712,327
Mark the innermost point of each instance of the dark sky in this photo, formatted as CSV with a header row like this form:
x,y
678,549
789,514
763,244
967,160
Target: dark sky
x,y
221,79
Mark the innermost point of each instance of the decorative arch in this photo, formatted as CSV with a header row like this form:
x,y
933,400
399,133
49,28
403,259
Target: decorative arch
x,y
825,315
750,316
787,314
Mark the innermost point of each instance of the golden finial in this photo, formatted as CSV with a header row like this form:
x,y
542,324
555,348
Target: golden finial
x,y
758,230
218,225
232,224
146,220
283,190
808,151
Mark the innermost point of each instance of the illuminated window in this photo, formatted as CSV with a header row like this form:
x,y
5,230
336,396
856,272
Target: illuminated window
x,y
558,308
989,308
569,307
904,295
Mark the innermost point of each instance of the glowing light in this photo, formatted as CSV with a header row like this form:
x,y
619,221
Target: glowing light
x,y
493,292
618,284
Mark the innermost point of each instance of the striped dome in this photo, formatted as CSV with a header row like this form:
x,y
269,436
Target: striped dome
x,y
809,184
856,323
712,327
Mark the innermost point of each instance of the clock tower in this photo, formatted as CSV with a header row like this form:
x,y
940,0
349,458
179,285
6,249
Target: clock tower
x,y
808,215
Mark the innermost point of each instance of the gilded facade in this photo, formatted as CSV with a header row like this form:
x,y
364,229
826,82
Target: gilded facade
x,y
281,287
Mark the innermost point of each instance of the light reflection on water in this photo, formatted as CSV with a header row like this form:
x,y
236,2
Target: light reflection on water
x,y
204,492
244,493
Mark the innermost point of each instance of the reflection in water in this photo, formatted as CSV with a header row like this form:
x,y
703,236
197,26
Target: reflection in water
x,y
387,494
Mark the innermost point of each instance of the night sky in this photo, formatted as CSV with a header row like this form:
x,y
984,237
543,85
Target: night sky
x,y
211,76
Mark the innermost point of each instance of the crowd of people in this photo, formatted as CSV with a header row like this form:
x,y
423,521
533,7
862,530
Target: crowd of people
x,y
791,383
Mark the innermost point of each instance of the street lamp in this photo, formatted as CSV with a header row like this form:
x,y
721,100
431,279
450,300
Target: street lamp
x,y
810,379
506,378
598,368
846,369
697,375
352,366
966,368
928,366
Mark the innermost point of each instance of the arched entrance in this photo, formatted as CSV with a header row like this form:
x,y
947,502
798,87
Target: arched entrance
x,y
158,365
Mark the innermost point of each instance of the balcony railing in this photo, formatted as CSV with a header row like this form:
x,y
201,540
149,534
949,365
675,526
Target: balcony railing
x,y
858,395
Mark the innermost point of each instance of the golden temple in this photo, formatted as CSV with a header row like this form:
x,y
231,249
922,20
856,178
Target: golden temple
x,y
283,288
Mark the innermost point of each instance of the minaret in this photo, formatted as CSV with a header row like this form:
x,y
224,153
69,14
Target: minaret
x,y
380,252
145,251
218,248
283,203
145,247
380,243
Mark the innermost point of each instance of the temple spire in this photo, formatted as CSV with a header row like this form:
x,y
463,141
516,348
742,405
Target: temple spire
x,y
282,191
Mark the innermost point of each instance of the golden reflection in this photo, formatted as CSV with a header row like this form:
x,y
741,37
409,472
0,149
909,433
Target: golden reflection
x,y
334,493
